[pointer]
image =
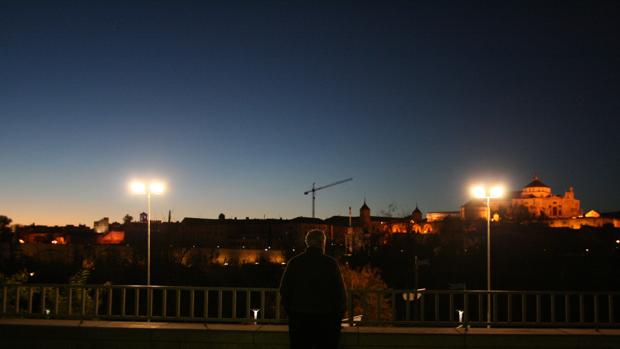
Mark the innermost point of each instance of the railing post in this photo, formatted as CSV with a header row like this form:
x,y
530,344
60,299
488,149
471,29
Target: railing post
x,y
408,306
378,310
248,303
136,306
415,312
451,309
5,292
596,310
30,298
610,306
278,301
57,301
393,298
234,303
164,303
205,311
149,303
494,308
262,304
523,308
97,302
192,300
581,309
538,312
110,290
480,309
219,304
436,306
17,300
70,301
567,307
509,304
552,305
422,294
83,310
178,304
123,302
42,300
465,309
350,306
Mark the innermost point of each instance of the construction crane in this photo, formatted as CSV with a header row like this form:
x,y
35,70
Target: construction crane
x,y
315,189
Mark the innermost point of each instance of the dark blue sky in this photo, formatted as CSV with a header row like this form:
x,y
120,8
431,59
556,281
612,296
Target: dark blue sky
x,y
240,106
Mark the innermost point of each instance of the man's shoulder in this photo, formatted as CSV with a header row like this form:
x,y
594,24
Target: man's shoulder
x,y
330,259
296,258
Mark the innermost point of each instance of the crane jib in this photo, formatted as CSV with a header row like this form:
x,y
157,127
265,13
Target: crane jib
x,y
314,190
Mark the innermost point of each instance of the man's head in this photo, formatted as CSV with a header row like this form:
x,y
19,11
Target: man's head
x,y
316,238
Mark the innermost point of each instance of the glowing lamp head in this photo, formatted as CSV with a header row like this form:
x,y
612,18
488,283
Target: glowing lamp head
x,y
157,188
137,187
479,192
497,191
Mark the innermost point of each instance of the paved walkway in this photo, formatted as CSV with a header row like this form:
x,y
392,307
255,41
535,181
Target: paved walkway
x,y
283,328
53,334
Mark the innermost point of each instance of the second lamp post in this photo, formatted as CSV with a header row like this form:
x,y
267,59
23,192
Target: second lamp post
x,y
157,188
481,192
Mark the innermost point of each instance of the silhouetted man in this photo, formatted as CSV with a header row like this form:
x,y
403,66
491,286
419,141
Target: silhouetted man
x,y
314,296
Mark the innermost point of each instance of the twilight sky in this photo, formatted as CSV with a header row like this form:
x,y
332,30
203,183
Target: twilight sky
x,y
241,105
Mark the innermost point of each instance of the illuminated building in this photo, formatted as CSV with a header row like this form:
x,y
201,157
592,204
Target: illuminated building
x,y
535,199
102,226
441,215
539,201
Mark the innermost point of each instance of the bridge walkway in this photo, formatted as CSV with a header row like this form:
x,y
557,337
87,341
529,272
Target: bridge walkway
x,y
52,334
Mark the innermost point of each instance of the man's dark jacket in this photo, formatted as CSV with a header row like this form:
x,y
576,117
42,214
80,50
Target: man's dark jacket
x,y
312,283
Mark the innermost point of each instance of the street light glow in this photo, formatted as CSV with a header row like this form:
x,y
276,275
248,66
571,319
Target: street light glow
x,y
478,192
154,187
497,191
481,192
137,187
157,188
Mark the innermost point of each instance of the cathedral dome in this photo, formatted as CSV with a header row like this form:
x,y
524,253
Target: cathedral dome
x,y
536,188
536,183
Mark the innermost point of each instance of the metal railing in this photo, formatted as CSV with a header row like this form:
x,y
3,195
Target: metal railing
x,y
263,305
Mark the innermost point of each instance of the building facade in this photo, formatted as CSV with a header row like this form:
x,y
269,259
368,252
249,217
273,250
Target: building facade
x,y
535,200
539,201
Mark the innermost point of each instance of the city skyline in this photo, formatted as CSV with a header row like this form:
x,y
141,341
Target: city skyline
x,y
241,106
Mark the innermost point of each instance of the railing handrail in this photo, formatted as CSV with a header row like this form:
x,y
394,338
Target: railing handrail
x,y
370,306
230,288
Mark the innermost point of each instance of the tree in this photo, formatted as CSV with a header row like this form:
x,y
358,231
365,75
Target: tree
x,y
4,228
4,222
390,211
367,288
127,219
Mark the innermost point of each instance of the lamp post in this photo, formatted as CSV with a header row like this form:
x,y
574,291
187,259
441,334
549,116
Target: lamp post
x,y
481,192
157,188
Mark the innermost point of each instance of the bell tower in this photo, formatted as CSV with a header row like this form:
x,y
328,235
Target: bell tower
x,y
365,216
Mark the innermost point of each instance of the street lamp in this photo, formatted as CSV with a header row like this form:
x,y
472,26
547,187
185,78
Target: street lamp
x,y
157,188
482,192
